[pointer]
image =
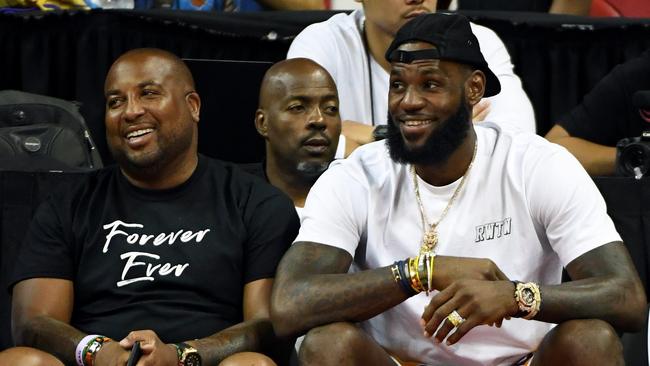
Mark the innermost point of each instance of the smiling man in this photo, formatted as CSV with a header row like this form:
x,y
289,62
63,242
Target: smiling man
x,y
169,248
445,245
351,48
298,117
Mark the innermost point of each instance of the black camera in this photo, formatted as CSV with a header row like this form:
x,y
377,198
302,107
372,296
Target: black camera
x,y
633,156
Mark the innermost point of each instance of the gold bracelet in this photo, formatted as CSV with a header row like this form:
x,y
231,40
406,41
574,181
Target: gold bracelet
x,y
430,257
415,276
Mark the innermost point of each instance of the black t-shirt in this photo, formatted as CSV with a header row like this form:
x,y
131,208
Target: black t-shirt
x,y
606,113
174,261
256,169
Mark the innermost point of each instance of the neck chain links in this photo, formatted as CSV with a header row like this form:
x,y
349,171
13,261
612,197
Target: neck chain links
x,y
430,237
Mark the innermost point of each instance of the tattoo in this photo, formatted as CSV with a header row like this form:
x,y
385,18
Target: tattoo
x,y
312,288
604,285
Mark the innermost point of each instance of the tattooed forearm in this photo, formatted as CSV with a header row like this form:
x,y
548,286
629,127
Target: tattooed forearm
x,y
313,287
606,274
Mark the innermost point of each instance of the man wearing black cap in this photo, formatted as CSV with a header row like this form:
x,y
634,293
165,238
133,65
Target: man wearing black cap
x,y
480,219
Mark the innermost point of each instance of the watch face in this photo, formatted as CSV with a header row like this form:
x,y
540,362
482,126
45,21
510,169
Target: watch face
x,y
528,296
192,359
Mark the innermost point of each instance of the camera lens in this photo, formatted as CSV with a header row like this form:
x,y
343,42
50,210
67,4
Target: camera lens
x,y
635,155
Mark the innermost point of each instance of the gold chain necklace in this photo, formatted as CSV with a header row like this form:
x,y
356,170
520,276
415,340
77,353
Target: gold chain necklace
x,y
430,237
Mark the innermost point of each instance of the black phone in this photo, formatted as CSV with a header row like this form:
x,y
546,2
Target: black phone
x,y
135,354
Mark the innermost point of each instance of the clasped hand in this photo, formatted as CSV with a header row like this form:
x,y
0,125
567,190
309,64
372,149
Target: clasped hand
x,y
475,288
154,351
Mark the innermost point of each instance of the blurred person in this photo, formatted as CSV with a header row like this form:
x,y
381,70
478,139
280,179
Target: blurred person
x,y
606,115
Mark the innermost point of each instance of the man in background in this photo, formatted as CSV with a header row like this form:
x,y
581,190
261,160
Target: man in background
x,y
606,115
298,117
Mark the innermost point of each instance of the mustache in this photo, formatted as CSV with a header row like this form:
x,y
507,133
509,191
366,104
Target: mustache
x,y
316,135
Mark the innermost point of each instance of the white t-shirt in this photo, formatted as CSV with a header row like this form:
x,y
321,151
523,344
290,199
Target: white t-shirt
x,y
337,45
527,204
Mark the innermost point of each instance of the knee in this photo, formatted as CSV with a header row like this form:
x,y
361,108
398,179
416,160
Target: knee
x,y
26,356
588,341
247,359
336,339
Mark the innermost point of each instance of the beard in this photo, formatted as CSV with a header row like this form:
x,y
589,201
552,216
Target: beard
x,y
154,161
311,170
440,144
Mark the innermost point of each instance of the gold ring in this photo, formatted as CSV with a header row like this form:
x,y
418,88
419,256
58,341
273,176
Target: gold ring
x,y
455,318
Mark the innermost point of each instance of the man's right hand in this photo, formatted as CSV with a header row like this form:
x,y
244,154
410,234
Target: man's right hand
x,y
449,269
112,354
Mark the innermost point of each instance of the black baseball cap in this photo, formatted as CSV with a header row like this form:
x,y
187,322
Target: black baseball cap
x,y
453,39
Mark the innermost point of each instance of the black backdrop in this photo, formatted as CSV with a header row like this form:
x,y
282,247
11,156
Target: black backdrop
x,y
66,55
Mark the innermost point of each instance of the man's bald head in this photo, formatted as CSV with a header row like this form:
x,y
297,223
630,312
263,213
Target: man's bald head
x,y
280,77
171,63
298,116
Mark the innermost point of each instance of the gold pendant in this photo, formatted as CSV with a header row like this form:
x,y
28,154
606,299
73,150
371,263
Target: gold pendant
x,y
429,240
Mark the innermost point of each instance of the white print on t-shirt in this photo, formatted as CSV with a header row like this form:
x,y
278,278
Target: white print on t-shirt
x,y
493,230
165,269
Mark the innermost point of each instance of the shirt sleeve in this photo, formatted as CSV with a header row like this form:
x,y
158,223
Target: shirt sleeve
x,y
566,203
336,210
596,117
511,108
46,251
272,224
317,43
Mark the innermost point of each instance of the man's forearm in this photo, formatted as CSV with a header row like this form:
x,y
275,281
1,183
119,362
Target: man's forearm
x,y
575,300
251,336
50,335
596,159
324,299
613,294
302,301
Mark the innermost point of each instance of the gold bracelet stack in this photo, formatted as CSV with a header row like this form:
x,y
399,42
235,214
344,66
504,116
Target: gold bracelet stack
x,y
414,275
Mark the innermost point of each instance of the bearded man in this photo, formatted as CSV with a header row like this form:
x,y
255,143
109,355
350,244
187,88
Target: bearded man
x,y
480,219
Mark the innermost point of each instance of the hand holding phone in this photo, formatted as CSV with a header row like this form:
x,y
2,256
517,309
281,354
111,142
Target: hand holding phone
x,y
136,352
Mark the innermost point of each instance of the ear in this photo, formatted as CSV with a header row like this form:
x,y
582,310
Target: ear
x,y
475,87
194,104
260,123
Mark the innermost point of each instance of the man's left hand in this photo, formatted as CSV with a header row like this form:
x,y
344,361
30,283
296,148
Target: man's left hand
x,y
478,302
154,351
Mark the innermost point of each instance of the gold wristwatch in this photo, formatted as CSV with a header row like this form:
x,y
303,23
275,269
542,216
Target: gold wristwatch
x,y
528,299
187,355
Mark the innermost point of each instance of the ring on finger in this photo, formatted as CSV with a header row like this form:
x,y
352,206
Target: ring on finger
x,y
455,318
